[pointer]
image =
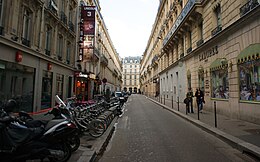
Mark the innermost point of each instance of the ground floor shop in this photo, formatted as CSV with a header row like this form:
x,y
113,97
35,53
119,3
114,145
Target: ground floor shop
x,y
33,79
226,69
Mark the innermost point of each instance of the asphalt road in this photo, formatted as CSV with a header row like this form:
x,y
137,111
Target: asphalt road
x,y
148,133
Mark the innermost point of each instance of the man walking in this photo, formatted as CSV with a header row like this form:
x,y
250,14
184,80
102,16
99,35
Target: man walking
x,y
190,96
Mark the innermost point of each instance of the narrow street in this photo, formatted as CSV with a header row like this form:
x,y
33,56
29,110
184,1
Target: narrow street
x,y
146,132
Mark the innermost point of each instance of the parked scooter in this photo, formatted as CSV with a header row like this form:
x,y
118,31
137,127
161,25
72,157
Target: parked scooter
x,y
21,143
60,112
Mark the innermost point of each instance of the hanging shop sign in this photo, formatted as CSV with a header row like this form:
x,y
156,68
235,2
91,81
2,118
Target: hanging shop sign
x,y
87,33
18,56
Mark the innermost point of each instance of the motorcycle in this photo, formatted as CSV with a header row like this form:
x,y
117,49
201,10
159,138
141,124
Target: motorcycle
x,y
21,143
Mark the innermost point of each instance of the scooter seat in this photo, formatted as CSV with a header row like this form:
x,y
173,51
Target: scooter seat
x,y
53,122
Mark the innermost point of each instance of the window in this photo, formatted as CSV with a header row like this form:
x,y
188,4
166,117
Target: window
x,y
46,90
1,12
220,84
217,21
17,84
60,47
218,15
26,27
249,77
68,52
48,40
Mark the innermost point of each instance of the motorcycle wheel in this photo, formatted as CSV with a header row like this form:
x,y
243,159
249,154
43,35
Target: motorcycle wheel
x,y
74,143
65,148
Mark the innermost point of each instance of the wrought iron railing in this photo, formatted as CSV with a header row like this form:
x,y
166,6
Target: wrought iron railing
x,y
200,42
63,17
189,50
71,26
47,52
216,30
249,6
25,42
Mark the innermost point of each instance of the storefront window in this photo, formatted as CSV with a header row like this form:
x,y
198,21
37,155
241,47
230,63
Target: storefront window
x,y
220,84
249,77
16,82
201,78
46,89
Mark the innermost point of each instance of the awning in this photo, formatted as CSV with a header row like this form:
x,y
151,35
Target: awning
x,y
250,53
219,63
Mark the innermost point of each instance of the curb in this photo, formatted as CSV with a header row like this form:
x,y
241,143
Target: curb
x,y
235,142
99,146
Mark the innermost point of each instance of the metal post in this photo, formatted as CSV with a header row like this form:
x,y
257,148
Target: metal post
x,y
172,102
198,111
178,102
215,113
164,100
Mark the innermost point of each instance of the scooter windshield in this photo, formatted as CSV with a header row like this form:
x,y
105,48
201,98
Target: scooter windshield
x,y
59,101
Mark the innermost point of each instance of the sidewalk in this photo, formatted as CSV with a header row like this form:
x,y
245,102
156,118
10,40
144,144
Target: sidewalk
x,y
242,135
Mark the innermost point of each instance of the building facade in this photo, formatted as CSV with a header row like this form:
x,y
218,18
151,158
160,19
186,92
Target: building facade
x,y
208,45
103,70
39,53
131,73
38,44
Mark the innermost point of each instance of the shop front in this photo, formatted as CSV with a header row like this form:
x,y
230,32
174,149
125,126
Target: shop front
x,y
17,82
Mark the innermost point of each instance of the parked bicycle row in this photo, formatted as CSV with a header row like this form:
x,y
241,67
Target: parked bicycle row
x,y
24,138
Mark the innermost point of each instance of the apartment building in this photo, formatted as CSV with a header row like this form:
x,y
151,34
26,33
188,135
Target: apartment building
x,y
131,74
39,44
208,44
101,69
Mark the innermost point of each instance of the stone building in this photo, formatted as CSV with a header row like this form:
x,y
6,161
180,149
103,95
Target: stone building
x,y
39,53
131,73
38,45
103,71
208,44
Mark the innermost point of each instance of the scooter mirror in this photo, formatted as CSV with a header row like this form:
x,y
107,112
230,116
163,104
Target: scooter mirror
x,y
59,101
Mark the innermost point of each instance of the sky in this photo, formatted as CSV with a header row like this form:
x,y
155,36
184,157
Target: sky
x,y
129,24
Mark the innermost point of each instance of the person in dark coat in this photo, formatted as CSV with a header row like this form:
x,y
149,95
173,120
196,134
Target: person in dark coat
x,y
189,95
199,99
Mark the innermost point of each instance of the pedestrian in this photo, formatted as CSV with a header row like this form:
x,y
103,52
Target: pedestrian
x,y
199,99
189,95
186,101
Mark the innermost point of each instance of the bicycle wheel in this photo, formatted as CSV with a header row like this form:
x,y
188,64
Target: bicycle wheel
x,y
96,128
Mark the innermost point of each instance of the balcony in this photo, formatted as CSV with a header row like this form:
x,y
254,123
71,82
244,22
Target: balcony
x,y
189,50
200,42
184,13
216,30
47,52
59,58
103,60
63,17
181,55
25,42
1,30
53,7
71,26
155,60
249,6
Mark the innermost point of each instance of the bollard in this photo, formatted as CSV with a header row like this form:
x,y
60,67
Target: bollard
x,y
198,111
172,102
215,113
178,102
